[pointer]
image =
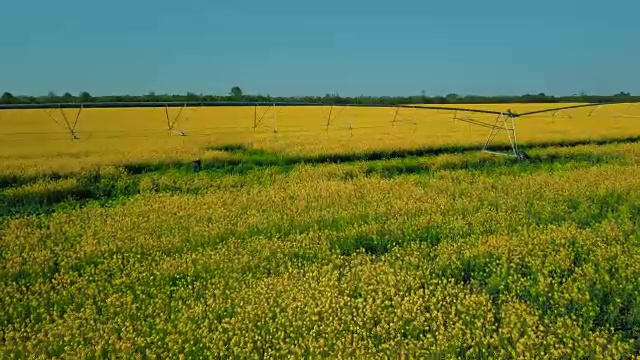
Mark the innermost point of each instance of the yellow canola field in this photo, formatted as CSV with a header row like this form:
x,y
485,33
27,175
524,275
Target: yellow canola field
x,y
41,141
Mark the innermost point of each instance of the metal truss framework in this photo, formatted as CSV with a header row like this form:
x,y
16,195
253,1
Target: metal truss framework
x,y
504,121
65,123
171,124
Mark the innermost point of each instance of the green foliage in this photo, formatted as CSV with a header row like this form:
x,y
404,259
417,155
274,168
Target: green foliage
x,y
84,97
7,98
237,94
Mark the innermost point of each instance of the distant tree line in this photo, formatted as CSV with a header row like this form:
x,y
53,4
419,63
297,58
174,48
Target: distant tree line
x,y
236,94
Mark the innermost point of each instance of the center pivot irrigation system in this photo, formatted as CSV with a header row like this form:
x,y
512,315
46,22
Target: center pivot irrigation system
x,y
504,121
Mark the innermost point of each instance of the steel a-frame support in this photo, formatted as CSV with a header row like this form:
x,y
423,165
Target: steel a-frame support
x,y
171,124
506,122
71,127
332,117
257,121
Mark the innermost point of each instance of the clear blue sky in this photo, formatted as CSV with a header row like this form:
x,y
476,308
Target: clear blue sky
x,y
293,47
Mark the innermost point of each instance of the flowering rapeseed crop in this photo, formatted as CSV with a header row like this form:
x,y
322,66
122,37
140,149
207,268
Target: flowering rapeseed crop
x,y
281,255
31,141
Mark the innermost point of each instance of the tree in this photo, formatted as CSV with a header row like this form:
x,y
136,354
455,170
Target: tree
x,y
8,98
452,97
439,100
51,96
192,96
84,97
151,96
67,97
236,92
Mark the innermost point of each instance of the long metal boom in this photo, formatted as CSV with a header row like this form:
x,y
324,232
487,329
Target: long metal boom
x,y
181,104
571,107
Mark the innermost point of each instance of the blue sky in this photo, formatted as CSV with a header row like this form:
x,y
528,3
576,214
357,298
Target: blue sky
x,y
292,47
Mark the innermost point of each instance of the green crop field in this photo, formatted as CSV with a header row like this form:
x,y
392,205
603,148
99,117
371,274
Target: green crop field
x,y
370,246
